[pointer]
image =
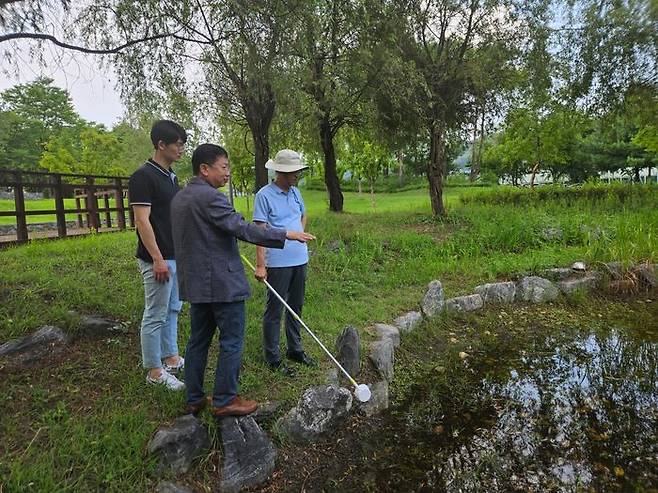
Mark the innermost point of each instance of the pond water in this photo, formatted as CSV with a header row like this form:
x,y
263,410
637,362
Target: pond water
x,y
576,413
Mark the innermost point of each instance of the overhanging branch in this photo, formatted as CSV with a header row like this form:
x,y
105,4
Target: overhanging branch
x,y
83,49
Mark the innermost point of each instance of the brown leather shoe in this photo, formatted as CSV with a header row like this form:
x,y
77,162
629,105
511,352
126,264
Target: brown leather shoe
x,y
198,406
237,407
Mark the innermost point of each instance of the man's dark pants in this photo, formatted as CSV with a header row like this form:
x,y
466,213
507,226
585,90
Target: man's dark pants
x,y
205,318
290,283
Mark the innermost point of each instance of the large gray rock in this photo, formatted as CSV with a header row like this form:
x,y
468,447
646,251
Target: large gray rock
x,y
249,455
382,355
646,275
536,290
388,332
45,341
319,411
468,303
583,284
557,274
178,445
378,400
409,321
497,292
348,350
169,487
432,303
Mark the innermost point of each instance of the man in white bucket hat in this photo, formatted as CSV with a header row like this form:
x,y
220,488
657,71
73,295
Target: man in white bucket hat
x,y
280,205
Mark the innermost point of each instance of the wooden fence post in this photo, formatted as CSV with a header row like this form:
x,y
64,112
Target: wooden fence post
x,y
78,205
59,206
106,202
118,199
19,201
92,204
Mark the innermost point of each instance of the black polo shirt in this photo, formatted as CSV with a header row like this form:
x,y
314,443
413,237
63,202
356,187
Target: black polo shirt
x,y
153,185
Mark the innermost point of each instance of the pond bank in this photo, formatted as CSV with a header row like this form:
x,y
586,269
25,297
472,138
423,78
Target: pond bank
x,y
559,397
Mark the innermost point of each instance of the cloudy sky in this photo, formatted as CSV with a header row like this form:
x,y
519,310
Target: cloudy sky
x,y
92,88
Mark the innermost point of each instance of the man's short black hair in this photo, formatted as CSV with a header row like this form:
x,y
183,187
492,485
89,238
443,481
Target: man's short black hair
x,y
206,153
168,132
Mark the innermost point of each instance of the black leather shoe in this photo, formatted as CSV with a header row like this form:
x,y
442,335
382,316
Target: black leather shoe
x,y
283,368
302,357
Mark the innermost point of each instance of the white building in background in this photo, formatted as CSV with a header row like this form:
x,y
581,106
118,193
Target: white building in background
x,y
544,177
646,175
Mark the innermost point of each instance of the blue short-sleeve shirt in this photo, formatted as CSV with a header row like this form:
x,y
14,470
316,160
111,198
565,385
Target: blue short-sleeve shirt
x,y
282,210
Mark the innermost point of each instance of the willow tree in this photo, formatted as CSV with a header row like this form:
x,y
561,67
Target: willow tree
x,y
336,49
431,83
217,57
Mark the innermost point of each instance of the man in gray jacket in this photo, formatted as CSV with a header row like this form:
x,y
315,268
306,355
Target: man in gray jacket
x,y
211,277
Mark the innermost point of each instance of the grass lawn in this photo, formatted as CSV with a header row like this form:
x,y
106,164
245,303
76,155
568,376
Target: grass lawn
x,y
80,422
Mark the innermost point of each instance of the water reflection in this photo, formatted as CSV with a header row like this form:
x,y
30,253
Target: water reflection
x,y
580,414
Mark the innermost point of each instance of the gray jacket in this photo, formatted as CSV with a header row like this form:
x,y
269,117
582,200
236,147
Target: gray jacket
x,y
205,227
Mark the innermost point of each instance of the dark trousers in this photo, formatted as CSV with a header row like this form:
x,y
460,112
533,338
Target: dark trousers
x,y
290,283
205,318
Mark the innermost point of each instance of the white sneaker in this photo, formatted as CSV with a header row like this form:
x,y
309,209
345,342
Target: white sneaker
x,y
166,379
175,368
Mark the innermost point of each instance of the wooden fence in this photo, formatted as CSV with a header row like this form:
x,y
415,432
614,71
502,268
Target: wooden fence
x,y
85,189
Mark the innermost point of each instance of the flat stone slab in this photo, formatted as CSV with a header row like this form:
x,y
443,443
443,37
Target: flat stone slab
x,y
468,303
432,303
409,321
557,274
178,445
100,327
536,290
388,332
319,412
497,292
584,284
382,355
249,454
45,341
378,400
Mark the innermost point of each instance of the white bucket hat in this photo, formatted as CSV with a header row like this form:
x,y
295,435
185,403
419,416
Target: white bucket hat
x,y
286,161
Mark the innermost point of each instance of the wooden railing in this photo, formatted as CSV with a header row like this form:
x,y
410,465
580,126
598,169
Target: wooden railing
x,y
85,189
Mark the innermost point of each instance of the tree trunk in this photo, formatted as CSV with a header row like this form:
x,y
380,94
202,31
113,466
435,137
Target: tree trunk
x,y
435,168
535,168
261,155
330,173
259,112
399,157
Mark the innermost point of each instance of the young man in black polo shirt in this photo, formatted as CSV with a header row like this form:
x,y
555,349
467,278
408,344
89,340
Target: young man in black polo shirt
x,y
151,188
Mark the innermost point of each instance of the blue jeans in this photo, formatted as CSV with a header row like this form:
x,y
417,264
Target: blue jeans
x,y
205,318
159,329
